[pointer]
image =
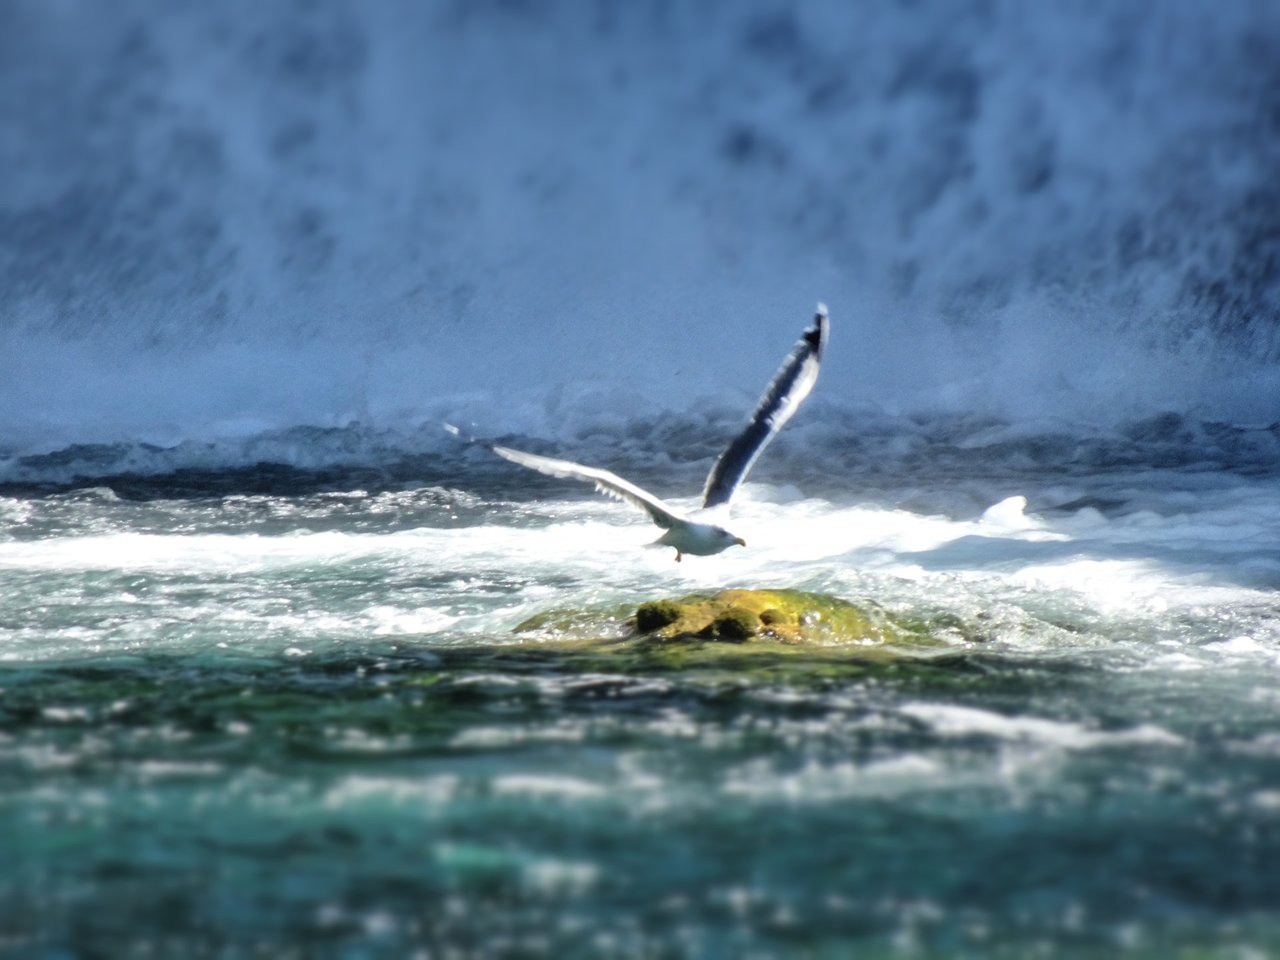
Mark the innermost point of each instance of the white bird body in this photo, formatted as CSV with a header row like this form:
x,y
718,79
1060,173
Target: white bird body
x,y
699,533
699,539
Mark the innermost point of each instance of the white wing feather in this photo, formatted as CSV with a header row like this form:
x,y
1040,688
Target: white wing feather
x,y
607,483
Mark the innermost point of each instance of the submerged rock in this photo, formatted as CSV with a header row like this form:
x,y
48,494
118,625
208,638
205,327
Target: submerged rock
x,y
745,619
785,616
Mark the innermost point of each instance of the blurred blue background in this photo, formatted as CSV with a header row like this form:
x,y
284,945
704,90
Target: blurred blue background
x,y
224,218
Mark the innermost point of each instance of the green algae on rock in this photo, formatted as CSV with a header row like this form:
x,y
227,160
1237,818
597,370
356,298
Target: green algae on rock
x,y
576,623
791,618
785,616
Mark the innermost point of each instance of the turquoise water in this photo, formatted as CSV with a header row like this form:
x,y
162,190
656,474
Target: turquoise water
x,y
297,722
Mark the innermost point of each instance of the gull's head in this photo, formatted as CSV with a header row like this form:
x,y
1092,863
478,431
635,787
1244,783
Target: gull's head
x,y
725,539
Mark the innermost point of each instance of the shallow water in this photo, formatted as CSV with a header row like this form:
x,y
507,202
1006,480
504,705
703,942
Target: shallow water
x,y
298,720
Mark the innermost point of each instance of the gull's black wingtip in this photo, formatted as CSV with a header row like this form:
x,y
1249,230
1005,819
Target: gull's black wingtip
x,y
816,335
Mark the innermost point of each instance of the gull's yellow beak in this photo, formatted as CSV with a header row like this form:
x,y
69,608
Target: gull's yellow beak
x,y
739,541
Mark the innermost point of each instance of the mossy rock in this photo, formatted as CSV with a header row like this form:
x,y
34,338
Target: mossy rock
x,y
784,616
656,614
578,624
740,634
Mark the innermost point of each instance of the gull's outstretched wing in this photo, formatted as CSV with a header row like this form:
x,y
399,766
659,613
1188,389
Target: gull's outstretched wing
x,y
607,483
790,385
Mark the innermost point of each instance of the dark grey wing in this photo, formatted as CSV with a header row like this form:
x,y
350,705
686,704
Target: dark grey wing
x,y
607,483
790,385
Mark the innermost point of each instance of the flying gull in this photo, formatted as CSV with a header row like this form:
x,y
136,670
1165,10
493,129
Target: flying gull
x,y
702,533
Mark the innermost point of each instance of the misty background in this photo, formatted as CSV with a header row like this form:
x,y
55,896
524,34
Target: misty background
x,y
223,219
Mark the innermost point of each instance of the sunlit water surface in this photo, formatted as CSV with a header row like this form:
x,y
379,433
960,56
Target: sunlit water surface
x,y
299,720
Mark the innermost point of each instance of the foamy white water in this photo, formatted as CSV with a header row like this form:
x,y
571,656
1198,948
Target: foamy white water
x,y
1169,563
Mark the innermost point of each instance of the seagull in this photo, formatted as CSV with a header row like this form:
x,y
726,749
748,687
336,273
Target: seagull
x,y
702,532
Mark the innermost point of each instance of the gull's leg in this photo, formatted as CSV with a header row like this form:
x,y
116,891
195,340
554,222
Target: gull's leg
x,y
677,556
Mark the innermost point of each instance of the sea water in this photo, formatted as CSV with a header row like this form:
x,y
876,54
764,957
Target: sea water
x,y
297,718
